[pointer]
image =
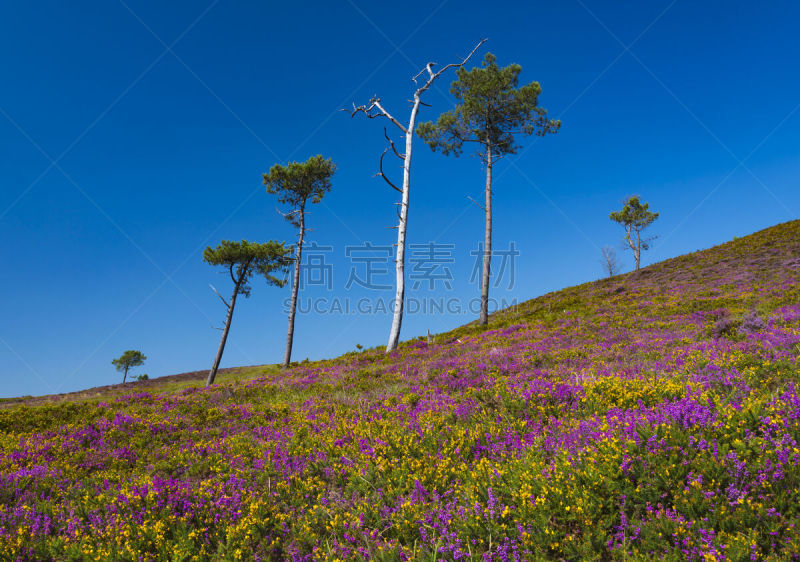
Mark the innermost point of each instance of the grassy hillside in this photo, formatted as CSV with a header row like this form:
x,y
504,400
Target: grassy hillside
x,y
649,415
166,384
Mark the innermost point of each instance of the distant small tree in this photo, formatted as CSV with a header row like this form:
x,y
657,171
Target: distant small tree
x,y
635,216
296,185
610,262
127,361
492,110
242,260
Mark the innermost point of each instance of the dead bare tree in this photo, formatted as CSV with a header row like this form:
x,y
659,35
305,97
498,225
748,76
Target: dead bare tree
x,y
610,262
375,109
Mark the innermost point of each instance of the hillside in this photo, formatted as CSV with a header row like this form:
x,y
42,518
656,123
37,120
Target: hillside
x,y
653,414
165,384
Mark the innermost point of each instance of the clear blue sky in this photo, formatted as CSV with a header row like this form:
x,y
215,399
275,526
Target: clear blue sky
x,y
161,119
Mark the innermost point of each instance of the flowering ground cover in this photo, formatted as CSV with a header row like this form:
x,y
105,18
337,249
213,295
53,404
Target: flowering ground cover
x,y
651,415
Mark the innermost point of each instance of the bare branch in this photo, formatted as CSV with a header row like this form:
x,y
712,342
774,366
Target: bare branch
x,y
385,178
609,261
220,296
368,110
463,61
478,204
365,109
286,215
377,103
391,143
374,110
433,76
429,69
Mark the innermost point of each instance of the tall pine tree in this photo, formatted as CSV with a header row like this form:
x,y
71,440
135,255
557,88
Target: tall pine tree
x,y
490,112
297,185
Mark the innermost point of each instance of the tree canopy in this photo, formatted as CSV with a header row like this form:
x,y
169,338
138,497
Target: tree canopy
x,y
299,182
131,358
635,216
244,258
491,109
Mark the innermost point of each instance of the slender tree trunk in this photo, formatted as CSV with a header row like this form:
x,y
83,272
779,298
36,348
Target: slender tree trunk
x,y
636,248
370,111
487,241
215,367
397,320
287,357
124,375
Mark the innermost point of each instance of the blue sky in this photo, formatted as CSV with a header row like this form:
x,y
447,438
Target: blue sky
x,y
134,134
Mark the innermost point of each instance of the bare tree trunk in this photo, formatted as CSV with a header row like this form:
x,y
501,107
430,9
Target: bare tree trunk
x,y
637,247
287,357
124,375
397,320
215,367
373,110
610,263
487,241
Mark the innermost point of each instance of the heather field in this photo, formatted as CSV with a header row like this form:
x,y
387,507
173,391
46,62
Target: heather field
x,y
650,415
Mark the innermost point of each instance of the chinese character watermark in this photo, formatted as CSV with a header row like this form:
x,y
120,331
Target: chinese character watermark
x,y
316,272
507,264
428,263
371,257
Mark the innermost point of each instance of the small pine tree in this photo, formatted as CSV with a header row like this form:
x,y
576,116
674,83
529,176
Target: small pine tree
x,y
127,361
635,216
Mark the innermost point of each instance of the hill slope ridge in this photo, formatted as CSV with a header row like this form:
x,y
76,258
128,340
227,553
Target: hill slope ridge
x,y
653,414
